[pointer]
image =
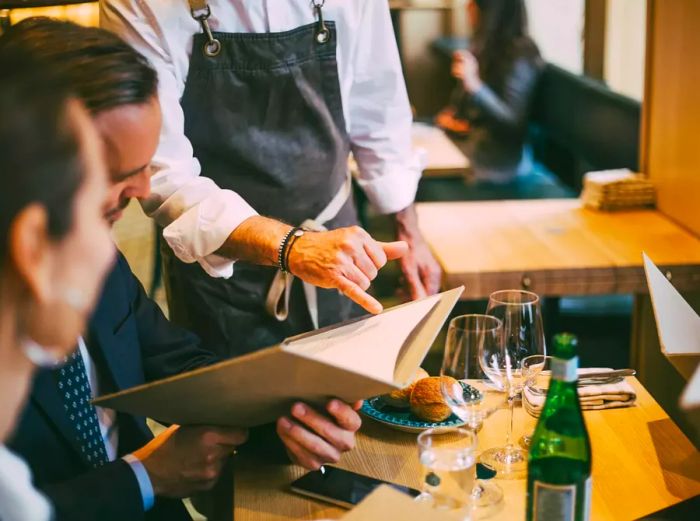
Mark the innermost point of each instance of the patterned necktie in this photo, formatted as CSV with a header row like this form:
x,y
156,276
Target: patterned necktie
x,y
75,390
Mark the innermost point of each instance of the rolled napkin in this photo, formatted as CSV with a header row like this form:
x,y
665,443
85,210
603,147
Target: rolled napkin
x,y
593,397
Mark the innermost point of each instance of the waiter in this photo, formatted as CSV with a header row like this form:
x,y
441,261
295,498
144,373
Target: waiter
x,y
268,98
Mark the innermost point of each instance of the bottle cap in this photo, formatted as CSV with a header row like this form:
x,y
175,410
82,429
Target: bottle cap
x,y
565,346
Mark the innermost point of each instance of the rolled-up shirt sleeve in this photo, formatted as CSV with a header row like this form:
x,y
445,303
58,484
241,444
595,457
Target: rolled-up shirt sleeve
x,y
380,114
196,214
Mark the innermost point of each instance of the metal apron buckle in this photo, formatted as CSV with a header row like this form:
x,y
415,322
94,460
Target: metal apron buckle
x,y
322,34
201,12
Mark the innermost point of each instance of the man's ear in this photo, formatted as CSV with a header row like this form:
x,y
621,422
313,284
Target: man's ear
x,y
29,248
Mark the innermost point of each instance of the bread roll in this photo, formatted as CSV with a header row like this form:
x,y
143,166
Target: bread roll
x,y
427,401
402,397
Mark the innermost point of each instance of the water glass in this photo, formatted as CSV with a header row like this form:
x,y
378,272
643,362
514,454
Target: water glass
x,y
449,469
537,374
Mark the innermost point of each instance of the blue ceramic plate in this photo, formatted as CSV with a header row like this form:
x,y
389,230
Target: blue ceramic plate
x,y
403,419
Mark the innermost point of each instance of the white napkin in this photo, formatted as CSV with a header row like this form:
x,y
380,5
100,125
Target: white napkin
x,y
593,397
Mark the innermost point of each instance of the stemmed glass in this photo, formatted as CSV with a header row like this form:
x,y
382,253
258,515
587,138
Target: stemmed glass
x,y
536,375
469,398
523,336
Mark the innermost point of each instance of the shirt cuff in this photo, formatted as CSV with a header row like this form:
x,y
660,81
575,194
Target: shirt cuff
x,y
143,479
393,189
200,231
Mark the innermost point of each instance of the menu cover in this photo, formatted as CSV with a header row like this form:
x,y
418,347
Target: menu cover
x,y
387,503
350,361
679,331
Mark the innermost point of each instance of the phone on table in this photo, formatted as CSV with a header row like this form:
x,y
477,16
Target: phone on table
x,y
342,487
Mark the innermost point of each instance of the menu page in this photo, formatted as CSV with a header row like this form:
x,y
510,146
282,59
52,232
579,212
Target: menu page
x,y
369,346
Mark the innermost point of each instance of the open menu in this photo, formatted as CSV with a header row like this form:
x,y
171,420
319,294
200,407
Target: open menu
x,y
678,326
350,361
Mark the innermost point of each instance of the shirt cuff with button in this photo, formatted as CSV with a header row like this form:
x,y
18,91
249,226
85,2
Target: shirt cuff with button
x,y
203,228
145,485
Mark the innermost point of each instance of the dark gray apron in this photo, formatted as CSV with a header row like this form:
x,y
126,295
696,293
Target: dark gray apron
x,y
265,118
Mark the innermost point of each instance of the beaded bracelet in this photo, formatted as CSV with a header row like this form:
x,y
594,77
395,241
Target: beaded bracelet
x,y
281,260
298,232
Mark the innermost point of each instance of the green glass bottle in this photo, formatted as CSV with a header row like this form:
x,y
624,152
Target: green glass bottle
x,y
559,463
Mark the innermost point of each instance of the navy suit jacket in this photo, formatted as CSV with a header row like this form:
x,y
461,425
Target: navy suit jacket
x,y
130,342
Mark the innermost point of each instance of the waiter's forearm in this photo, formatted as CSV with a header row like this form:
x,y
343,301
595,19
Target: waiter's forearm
x,y
346,259
255,240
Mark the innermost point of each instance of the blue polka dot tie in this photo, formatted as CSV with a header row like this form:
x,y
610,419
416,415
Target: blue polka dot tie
x,y
74,387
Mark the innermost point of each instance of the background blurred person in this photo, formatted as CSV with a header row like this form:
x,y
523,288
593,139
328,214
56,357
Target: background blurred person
x,y
499,74
55,247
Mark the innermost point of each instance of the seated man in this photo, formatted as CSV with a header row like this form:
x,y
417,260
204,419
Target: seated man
x,y
92,462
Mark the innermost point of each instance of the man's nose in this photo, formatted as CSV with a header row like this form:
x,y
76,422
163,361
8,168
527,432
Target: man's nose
x,y
140,187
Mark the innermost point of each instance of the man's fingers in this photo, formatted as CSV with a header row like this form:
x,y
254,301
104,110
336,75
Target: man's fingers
x,y
366,265
357,295
335,435
376,253
394,250
430,277
354,274
309,442
345,415
222,436
156,443
296,453
415,286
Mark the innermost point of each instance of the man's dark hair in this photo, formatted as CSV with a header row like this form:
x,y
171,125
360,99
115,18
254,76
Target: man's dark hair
x,y
40,159
103,70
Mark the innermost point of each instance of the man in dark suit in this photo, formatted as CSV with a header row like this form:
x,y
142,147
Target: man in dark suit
x,y
92,462
129,342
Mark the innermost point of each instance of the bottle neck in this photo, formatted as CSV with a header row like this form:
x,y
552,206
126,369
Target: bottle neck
x,y
565,370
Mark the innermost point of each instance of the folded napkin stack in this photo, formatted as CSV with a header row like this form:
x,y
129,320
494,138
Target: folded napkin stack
x,y
593,397
617,190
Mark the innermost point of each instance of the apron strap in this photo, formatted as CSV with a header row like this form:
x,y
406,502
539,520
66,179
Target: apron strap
x,y
277,302
201,12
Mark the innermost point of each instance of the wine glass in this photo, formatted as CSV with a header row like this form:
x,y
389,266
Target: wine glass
x,y
536,375
469,398
523,336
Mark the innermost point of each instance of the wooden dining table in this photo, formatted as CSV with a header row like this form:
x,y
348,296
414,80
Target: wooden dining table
x,y
642,462
555,247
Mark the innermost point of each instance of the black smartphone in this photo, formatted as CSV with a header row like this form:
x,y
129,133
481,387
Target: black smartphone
x,y
341,487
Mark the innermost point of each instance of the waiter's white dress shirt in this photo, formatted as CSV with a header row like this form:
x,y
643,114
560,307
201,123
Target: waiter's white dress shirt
x,y
197,215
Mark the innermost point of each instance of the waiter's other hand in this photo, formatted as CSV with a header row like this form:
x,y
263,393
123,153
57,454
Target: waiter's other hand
x,y
186,460
420,269
347,259
313,439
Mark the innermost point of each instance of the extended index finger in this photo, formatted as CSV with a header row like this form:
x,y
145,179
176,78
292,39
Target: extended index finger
x,y
357,295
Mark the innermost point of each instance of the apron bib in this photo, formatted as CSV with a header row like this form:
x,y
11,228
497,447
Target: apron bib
x,y
263,112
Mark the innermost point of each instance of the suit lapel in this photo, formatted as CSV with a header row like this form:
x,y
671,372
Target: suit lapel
x,y
113,338
114,343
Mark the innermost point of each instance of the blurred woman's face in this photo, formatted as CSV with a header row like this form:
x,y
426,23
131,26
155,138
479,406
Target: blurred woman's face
x,y
62,278
77,263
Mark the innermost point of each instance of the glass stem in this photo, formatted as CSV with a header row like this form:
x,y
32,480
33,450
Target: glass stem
x,y
509,430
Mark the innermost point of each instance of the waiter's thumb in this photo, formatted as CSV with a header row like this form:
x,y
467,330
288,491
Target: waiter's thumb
x,y
394,250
